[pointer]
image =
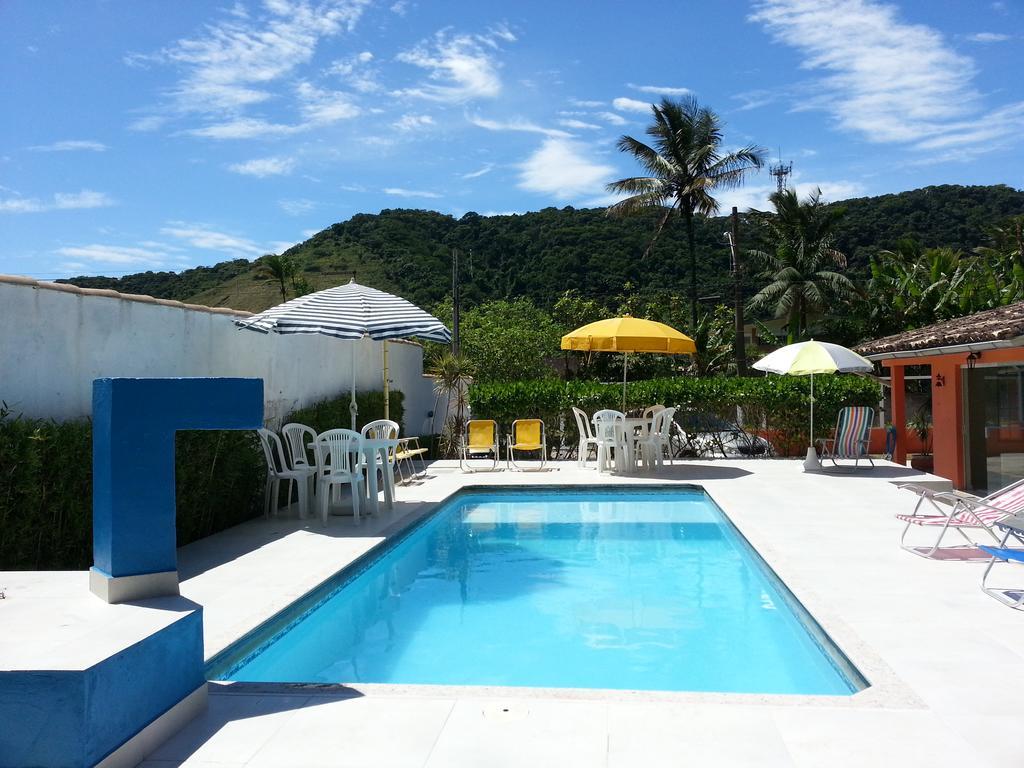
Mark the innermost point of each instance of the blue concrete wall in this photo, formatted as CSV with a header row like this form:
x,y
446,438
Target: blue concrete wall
x,y
134,421
76,718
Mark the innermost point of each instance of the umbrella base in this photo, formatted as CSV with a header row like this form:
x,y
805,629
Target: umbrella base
x,y
812,463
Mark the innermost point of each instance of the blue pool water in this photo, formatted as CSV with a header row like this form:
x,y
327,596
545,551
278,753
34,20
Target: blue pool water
x,y
615,589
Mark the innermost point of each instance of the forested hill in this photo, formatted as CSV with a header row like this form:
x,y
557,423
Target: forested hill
x,y
542,254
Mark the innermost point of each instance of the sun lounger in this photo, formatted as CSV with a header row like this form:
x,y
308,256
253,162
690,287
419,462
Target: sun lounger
x,y
852,436
960,512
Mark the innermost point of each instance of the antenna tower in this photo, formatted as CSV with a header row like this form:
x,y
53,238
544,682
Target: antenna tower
x,y
781,171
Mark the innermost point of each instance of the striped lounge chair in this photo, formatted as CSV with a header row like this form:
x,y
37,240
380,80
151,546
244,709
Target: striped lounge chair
x,y
853,430
963,513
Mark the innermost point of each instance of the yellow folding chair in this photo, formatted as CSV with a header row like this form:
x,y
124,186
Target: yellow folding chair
x,y
527,435
481,438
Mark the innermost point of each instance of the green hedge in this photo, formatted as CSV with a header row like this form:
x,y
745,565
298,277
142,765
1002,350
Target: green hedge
x,y
334,413
779,404
46,481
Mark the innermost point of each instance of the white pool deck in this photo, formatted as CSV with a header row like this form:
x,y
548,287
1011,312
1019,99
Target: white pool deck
x,y
945,660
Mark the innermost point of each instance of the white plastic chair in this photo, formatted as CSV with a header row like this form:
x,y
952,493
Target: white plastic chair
x,y
299,439
613,444
383,429
277,470
339,455
587,439
656,444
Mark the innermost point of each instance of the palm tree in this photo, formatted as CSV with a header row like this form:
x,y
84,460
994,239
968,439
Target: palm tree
x,y
686,164
802,271
278,268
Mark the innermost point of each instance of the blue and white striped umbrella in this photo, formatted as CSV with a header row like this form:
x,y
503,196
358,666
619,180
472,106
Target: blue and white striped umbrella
x,y
351,311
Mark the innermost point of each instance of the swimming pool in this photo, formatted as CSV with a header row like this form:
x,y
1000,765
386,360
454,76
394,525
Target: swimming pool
x,y
613,588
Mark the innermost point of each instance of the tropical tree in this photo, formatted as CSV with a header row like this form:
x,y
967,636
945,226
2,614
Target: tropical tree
x,y
685,164
803,271
280,269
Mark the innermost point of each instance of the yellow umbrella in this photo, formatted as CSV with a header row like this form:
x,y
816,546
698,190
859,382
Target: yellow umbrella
x,y
628,334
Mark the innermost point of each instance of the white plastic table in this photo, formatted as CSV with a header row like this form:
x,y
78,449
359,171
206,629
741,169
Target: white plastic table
x,y
371,449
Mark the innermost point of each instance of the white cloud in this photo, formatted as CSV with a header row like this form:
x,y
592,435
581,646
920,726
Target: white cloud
x,y
588,103
402,192
624,104
611,117
756,196
579,125
114,254
460,67
62,201
413,122
244,128
357,72
147,123
264,166
886,79
560,168
296,207
988,37
322,107
478,173
70,145
199,236
399,8
233,63
516,124
663,90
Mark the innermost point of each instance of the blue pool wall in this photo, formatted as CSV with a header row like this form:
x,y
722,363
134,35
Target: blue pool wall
x,y
78,717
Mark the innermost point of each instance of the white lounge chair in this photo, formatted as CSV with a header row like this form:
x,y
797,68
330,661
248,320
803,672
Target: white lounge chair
x,y
960,512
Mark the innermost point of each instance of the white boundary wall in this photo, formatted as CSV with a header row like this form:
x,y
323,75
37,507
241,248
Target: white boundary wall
x,y
55,339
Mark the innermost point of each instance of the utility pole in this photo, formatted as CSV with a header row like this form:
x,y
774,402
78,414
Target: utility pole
x,y
738,342
455,301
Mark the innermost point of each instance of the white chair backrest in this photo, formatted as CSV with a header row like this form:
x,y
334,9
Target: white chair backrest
x,y
582,423
649,412
338,451
381,429
609,425
299,438
272,451
661,425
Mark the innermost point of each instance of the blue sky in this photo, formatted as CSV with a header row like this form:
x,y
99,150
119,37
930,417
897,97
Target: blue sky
x,y
147,134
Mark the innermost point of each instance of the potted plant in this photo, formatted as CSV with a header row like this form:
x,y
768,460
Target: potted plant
x,y
921,426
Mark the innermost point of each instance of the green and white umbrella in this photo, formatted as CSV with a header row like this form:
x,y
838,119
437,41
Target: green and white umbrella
x,y
807,358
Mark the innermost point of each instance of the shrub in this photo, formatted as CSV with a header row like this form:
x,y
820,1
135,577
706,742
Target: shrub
x,y
778,405
46,481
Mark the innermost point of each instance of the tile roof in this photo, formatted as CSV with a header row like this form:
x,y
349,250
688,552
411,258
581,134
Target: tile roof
x,y
990,325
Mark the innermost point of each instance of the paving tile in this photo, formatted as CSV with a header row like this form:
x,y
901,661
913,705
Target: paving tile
x,y
386,732
678,735
841,737
521,733
231,730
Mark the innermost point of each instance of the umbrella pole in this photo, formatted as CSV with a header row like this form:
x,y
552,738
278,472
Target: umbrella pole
x,y
625,365
353,409
387,398
811,462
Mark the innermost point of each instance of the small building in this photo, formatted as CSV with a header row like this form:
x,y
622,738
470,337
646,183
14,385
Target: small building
x,y
976,366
